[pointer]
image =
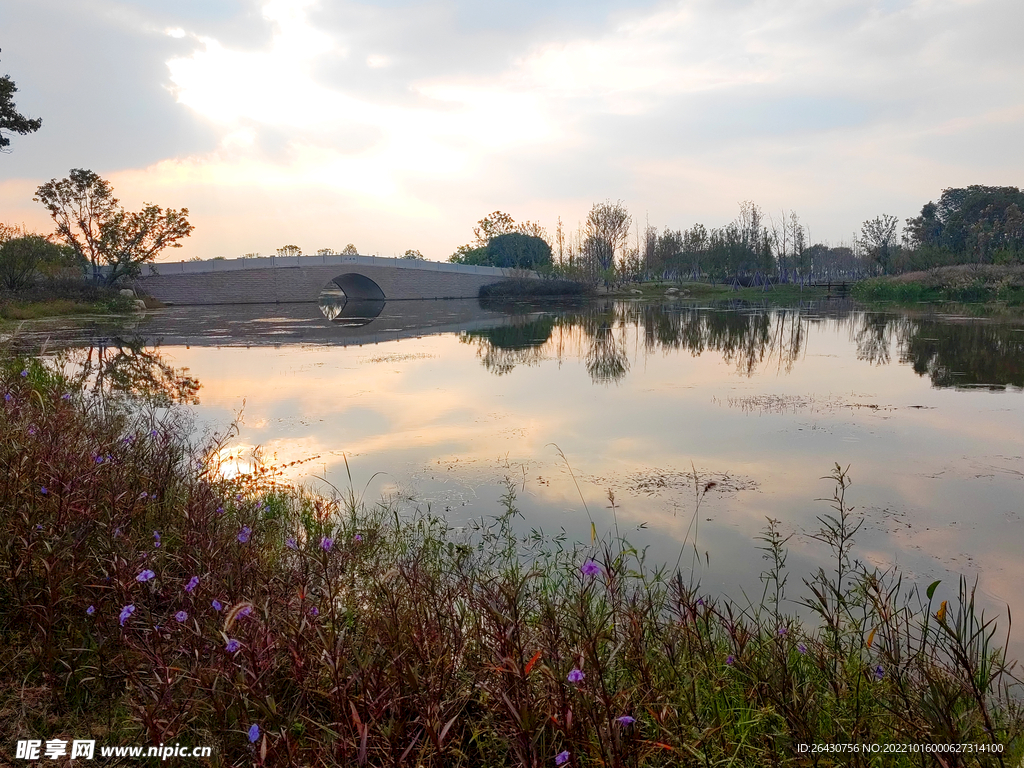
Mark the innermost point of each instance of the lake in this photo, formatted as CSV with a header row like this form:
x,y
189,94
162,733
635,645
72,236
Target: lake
x,y
625,413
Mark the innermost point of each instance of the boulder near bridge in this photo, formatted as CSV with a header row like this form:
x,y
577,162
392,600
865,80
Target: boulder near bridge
x,y
300,279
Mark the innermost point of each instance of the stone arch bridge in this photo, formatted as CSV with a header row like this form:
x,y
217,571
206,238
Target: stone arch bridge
x,y
298,279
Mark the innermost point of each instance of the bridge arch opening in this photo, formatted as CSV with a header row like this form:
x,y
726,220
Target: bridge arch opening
x,y
360,287
351,299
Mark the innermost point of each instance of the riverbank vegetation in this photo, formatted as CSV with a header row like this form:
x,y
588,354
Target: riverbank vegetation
x,y
968,283
976,225
147,597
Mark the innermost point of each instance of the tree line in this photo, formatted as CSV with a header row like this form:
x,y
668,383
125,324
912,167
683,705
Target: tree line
x,y
610,246
975,224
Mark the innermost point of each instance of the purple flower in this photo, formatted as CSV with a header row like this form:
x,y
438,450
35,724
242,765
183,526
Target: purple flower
x,y
192,584
590,568
152,433
31,431
314,611
575,676
232,646
358,537
66,396
254,733
802,648
24,373
879,672
562,758
180,616
290,543
90,610
782,631
243,535
326,544
217,605
220,510
7,397
127,611
730,660
99,459
625,720
700,601
43,490
244,611
143,495
146,575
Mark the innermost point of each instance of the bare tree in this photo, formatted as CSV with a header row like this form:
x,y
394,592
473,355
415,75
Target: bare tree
x,y
607,230
878,239
780,233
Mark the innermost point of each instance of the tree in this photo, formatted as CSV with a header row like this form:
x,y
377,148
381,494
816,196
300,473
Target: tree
x,y
411,254
349,250
607,230
289,250
878,238
21,258
518,251
975,223
10,119
92,222
325,252
492,225
467,254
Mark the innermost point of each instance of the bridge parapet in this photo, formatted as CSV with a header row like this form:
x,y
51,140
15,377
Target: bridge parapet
x,y
302,278
278,262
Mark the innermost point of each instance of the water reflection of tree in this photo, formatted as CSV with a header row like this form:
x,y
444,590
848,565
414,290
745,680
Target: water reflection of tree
x,y
128,367
954,354
752,338
520,342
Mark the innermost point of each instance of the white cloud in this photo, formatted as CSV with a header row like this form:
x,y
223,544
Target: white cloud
x,y
424,117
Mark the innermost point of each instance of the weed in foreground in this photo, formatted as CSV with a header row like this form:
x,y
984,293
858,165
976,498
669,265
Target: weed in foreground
x,y
146,599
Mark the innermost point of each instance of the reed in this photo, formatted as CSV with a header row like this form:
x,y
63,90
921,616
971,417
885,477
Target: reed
x,y
146,599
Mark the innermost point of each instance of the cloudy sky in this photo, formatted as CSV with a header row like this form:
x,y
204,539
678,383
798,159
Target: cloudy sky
x,y
397,124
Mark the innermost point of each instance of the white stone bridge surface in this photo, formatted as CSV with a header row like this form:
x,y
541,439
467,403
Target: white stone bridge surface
x,y
299,279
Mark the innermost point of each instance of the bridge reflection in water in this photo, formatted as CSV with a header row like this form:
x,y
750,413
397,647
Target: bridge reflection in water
x,y
353,312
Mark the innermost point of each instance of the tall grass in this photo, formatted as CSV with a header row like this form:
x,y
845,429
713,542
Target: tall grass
x,y
146,599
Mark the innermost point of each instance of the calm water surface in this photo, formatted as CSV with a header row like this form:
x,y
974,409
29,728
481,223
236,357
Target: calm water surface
x,y
447,402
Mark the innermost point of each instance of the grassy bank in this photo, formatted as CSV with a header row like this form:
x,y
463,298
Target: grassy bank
x,y
964,283
146,599
62,299
782,294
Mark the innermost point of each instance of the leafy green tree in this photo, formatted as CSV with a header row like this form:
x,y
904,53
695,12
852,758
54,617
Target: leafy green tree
x,y
467,254
412,254
91,221
22,258
976,223
518,251
10,119
349,250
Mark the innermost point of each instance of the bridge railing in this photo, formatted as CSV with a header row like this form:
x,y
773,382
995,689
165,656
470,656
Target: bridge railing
x,y
285,262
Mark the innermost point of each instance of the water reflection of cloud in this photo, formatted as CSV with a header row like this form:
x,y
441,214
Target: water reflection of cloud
x,y
448,431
